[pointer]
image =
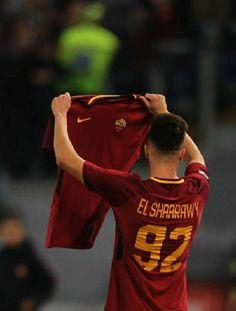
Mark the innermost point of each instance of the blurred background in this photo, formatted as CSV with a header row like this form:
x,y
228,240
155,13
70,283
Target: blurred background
x,y
185,49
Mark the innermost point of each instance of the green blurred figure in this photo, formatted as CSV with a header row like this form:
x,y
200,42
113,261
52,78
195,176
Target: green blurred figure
x,y
86,51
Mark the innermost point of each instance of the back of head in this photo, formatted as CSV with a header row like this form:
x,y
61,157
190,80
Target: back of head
x,y
94,12
167,133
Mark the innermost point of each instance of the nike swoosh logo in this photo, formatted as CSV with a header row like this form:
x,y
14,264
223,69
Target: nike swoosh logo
x,y
79,120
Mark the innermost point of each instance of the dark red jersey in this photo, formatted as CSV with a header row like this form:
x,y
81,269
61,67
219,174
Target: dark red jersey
x,y
156,223
109,131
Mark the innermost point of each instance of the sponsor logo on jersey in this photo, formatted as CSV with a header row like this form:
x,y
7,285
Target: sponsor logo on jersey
x,y
120,124
79,120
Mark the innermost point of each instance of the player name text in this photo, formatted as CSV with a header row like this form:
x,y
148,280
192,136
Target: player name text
x,y
168,211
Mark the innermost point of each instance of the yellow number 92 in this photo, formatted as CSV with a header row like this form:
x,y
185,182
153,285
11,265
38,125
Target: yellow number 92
x,y
154,246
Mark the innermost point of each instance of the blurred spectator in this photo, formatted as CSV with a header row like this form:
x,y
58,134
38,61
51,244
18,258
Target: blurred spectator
x,y
172,19
25,283
132,63
149,24
51,46
29,74
211,10
86,49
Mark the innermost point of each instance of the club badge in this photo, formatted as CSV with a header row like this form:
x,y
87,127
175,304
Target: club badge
x,y
120,124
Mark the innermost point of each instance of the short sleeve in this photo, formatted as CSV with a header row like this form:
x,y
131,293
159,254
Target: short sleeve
x,y
198,177
115,186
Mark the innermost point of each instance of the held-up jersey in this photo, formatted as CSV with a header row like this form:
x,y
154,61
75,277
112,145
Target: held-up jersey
x,y
156,222
109,131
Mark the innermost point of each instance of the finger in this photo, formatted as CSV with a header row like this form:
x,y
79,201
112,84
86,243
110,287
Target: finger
x,y
159,96
145,101
150,96
55,100
67,94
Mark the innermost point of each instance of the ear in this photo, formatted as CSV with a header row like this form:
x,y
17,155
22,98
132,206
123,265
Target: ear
x,y
146,150
182,154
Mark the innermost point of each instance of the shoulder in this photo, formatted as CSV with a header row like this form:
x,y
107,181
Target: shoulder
x,y
115,186
68,34
197,170
93,169
197,177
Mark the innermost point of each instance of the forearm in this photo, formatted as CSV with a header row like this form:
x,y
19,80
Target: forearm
x,y
193,154
66,156
156,104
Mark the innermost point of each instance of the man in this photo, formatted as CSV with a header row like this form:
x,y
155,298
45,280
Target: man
x,y
156,218
86,49
25,282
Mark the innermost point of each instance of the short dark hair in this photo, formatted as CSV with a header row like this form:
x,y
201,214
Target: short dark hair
x,y
167,132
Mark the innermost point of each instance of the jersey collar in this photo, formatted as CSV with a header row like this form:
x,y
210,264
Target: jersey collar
x,y
168,181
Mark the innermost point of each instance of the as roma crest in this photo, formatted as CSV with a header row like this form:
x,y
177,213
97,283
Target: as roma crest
x,y
120,124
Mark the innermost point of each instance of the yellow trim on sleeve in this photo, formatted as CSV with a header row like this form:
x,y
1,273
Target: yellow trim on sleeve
x,y
162,181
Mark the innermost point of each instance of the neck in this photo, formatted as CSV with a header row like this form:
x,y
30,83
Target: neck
x,y
163,169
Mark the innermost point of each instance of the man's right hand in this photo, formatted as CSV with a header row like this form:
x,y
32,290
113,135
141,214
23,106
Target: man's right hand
x,y
155,103
61,104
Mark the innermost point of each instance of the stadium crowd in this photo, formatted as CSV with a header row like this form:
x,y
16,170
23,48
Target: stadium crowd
x,y
47,47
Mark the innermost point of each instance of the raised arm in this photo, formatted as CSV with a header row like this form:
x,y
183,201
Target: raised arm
x,y
156,104
66,156
192,153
